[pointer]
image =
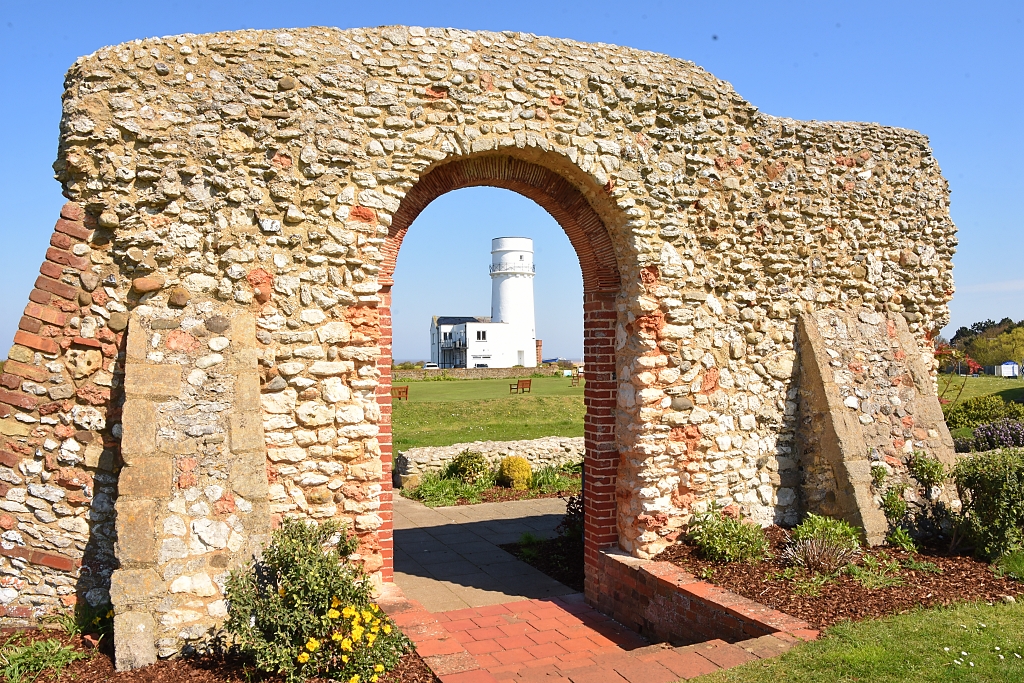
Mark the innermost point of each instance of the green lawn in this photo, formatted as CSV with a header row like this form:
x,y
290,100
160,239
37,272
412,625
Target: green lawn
x,y
459,411
907,648
1009,389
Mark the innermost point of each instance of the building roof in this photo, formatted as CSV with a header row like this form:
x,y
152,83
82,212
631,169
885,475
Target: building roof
x,y
460,319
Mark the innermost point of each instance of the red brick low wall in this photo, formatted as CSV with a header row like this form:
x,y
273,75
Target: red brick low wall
x,y
666,604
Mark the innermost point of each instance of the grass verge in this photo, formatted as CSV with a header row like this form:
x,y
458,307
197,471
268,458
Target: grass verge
x,y
983,385
972,642
502,419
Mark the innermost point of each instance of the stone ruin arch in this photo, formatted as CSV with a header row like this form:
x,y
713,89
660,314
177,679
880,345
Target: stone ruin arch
x,y
206,348
584,213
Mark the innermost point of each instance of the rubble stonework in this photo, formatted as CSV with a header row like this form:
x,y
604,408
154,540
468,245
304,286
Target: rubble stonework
x,y
274,174
411,464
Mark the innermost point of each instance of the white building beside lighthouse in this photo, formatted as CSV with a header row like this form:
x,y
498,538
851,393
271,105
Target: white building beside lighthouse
x,y
509,336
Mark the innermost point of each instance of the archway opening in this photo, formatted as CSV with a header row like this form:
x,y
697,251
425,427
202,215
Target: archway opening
x,y
574,211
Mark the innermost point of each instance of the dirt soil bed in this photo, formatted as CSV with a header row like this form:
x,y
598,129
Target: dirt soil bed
x,y
559,557
944,579
99,667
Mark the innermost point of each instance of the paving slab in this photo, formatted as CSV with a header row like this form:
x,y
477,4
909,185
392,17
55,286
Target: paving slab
x,y
449,559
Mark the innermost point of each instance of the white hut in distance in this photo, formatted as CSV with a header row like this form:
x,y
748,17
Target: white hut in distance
x,y
509,336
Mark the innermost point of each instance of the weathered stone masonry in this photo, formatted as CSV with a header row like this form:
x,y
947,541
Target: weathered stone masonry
x,y
270,177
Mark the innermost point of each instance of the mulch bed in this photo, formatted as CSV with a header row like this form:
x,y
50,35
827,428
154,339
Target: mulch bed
x,y
559,557
99,667
500,494
961,579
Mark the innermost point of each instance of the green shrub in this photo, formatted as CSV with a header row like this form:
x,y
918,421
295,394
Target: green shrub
x,y
724,539
981,410
894,505
554,480
1012,565
878,475
304,611
436,491
836,531
901,538
991,488
468,466
927,470
880,572
515,473
26,663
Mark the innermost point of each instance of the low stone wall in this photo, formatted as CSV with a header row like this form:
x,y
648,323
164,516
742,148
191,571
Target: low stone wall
x,y
663,603
412,464
399,376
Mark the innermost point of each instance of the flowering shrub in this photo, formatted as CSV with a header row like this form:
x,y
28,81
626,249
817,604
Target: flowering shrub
x,y
999,434
304,611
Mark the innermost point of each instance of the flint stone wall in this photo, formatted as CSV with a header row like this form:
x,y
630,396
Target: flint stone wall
x,y
276,172
412,463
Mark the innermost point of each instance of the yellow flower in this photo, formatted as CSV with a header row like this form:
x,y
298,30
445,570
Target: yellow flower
x,y
379,668
303,658
335,601
346,645
387,628
374,607
333,614
354,679
313,644
348,611
366,615
357,633
336,637
370,638
280,591
374,678
344,659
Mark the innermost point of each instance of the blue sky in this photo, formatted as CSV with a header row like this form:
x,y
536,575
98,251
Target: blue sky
x,y
949,69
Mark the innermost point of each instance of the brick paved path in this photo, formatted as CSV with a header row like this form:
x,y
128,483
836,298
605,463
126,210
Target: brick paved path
x,y
494,633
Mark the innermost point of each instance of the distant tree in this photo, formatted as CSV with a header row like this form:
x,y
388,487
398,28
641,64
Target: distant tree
x,y
999,349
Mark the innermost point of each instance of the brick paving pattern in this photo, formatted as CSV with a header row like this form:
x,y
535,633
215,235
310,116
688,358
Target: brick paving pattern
x,y
558,640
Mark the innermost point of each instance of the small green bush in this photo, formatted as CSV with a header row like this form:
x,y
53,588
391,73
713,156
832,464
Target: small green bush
x,y
836,531
26,663
515,473
554,480
468,466
981,410
991,488
724,539
901,538
436,491
303,611
1012,565
894,505
927,470
878,475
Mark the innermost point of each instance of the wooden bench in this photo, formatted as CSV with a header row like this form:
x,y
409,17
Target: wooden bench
x,y
400,393
520,387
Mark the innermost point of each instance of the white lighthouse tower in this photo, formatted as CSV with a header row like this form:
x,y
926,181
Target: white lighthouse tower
x,y
509,337
512,274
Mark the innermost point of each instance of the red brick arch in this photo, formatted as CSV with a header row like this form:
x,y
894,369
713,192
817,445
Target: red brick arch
x,y
587,232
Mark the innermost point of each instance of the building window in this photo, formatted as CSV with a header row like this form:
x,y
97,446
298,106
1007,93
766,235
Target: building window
x,y
447,336
481,335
